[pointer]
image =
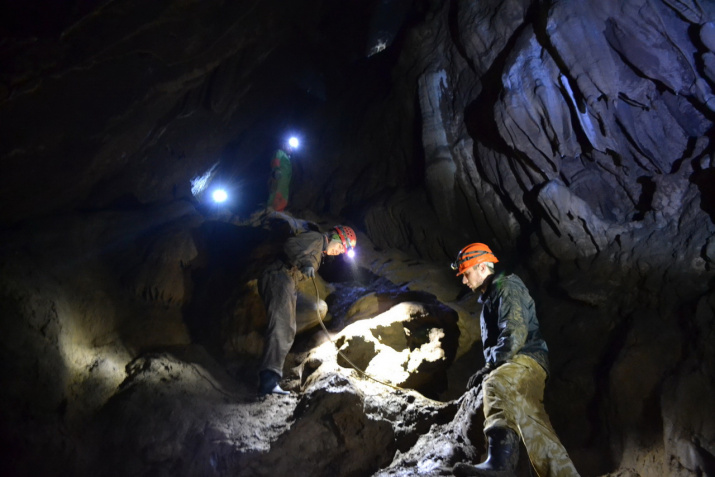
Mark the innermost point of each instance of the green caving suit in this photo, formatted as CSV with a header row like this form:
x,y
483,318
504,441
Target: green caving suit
x,y
514,390
277,287
279,184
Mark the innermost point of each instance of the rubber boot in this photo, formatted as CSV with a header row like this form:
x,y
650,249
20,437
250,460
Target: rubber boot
x,y
502,458
269,383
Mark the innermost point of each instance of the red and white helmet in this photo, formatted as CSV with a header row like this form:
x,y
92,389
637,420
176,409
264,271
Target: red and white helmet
x,y
347,236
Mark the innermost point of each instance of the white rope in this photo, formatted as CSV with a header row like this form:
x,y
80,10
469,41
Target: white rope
x,y
357,368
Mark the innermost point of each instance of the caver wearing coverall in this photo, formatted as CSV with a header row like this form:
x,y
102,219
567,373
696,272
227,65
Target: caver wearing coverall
x,y
302,256
515,373
279,183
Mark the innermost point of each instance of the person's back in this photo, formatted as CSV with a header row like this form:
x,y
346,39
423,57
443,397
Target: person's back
x,y
504,294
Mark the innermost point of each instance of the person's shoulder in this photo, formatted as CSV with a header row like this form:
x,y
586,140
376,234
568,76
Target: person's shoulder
x,y
501,278
511,278
506,283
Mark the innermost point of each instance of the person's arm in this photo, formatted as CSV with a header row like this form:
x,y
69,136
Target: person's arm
x,y
305,250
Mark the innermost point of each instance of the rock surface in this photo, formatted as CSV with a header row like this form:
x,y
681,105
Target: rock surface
x,y
575,138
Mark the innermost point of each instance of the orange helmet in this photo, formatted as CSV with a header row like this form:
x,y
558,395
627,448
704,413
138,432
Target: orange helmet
x,y
347,236
471,255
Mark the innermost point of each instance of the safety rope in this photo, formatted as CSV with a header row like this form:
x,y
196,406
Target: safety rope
x,y
357,368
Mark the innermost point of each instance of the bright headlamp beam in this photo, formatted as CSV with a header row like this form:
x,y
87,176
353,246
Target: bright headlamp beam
x,y
293,142
219,195
351,253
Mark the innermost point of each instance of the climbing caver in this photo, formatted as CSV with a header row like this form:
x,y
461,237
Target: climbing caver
x,y
281,173
301,257
515,373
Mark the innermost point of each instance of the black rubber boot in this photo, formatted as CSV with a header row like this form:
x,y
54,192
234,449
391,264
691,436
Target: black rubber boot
x,y
502,458
269,383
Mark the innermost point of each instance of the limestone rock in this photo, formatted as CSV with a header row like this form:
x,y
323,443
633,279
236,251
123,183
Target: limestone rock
x,y
411,345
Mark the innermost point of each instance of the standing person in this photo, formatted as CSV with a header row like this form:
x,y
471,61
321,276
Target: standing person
x,y
514,375
281,174
302,256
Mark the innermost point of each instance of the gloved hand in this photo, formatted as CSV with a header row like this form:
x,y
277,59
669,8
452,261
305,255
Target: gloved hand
x,y
477,377
309,272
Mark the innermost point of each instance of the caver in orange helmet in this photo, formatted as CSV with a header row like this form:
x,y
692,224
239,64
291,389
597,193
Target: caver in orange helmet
x,y
347,236
471,255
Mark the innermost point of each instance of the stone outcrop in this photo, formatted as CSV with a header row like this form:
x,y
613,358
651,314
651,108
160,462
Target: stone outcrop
x,y
574,137
411,345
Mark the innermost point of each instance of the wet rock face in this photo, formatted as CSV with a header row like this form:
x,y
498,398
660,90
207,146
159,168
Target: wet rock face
x,y
572,137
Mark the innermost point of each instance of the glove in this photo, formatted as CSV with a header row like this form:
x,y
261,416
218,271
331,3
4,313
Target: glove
x,y
309,272
476,379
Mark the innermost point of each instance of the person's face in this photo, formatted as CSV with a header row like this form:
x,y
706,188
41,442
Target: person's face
x,y
474,277
334,248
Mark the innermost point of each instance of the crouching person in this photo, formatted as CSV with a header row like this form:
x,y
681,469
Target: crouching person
x,y
301,258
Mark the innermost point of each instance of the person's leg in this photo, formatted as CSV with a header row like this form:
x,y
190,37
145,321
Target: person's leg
x,y
500,430
513,397
502,455
277,289
547,454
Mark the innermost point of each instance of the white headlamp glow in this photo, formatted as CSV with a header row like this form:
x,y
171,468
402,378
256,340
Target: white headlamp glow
x,y
219,195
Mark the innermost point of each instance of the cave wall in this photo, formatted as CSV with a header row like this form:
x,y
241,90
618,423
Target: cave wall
x,y
80,296
572,137
578,136
575,139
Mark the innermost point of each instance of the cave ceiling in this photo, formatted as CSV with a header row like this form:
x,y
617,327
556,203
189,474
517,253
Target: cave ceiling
x,y
574,137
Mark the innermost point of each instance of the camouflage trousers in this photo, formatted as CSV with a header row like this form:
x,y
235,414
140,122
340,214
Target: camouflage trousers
x,y
513,397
